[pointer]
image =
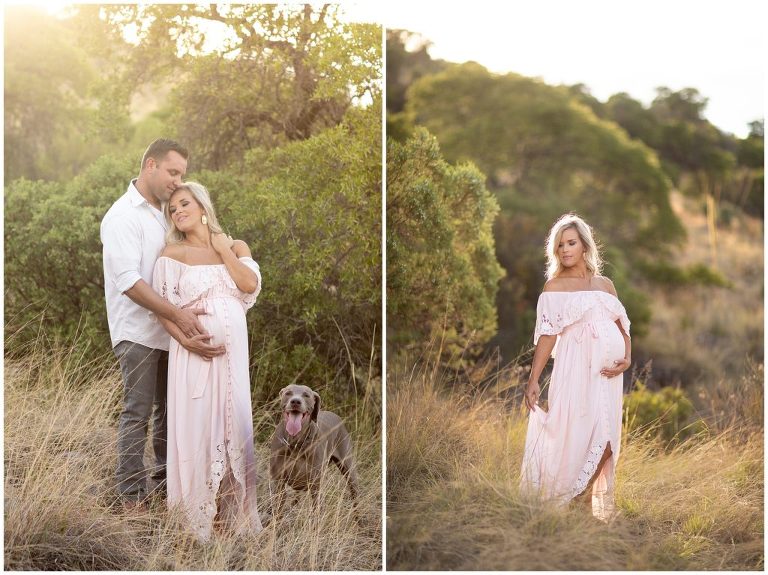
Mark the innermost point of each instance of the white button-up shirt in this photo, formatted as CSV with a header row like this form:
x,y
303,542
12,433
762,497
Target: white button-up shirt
x,y
133,235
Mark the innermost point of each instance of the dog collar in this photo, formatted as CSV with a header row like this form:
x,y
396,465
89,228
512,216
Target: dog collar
x,y
298,444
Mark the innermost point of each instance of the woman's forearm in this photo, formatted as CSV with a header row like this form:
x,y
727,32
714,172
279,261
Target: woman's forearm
x,y
627,348
245,278
544,349
627,342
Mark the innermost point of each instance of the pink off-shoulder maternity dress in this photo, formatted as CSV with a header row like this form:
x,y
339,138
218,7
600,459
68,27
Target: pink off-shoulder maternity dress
x,y
210,425
564,445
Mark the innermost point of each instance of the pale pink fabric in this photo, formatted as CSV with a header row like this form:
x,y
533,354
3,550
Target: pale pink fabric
x,y
210,424
564,445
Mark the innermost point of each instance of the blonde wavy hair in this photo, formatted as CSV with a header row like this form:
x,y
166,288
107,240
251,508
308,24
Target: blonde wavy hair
x,y
203,199
591,254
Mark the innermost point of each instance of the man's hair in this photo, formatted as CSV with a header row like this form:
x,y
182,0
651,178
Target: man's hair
x,y
158,149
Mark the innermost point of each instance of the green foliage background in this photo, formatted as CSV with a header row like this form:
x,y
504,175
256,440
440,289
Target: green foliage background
x,y
441,267
297,177
547,150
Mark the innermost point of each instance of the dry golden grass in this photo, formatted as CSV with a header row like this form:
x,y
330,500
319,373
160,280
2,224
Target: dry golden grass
x,y
60,511
453,468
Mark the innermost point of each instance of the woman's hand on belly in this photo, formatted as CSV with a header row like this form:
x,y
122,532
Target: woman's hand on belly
x,y
619,367
201,345
614,359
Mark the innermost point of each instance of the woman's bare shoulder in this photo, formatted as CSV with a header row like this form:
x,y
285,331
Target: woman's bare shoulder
x,y
174,251
554,284
605,284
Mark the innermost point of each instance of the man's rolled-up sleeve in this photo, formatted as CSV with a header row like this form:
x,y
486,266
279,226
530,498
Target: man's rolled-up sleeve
x,y
122,252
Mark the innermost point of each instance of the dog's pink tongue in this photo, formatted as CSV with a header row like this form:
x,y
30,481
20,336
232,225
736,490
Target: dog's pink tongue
x,y
293,425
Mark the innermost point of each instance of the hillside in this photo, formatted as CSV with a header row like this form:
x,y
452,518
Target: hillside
x,y
702,336
454,451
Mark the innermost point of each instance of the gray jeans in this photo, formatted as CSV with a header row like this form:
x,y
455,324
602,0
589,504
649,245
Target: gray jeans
x,y
145,377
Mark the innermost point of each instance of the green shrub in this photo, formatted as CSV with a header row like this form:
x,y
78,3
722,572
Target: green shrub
x,y
310,212
665,413
442,271
53,261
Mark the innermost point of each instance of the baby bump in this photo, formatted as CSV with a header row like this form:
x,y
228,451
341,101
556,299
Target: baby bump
x,y
612,343
223,314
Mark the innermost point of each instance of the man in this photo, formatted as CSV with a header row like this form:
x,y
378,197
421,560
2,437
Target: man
x,y
133,235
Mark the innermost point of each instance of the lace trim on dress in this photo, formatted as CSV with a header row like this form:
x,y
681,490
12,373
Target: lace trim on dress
x,y
203,512
164,290
597,449
548,327
203,281
593,459
553,318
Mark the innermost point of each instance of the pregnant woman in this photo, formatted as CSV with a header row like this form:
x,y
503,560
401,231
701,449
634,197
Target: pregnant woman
x,y
211,467
571,449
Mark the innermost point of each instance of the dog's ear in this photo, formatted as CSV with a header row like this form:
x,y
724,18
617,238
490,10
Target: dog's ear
x,y
316,409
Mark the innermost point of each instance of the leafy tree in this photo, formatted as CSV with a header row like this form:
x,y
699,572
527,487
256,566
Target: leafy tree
x,y
582,94
281,73
697,146
757,129
546,154
752,148
442,273
748,188
311,212
686,105
408,60
701,159
639,122
547,146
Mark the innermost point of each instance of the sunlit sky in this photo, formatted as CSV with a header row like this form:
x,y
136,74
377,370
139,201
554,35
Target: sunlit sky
x,y
611,46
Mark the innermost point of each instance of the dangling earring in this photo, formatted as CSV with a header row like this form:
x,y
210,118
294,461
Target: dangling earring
x,y
204,220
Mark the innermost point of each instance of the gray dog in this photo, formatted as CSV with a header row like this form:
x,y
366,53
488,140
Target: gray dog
x,y
305,442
